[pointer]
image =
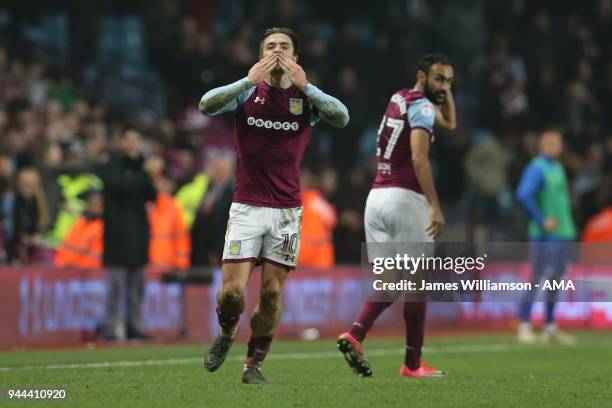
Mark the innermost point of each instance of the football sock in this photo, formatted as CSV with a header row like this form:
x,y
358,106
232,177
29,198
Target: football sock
x,y
257,350
414,318
227,323
370,310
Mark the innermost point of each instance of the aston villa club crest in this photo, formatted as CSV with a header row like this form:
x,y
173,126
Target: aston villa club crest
x,y
296,106
234,248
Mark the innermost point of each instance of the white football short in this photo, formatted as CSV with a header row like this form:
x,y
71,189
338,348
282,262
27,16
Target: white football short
x,y
263,234
400,216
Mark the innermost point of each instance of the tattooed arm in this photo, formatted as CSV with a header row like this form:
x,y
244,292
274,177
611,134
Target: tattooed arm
x,y
225,98
230,97
330,109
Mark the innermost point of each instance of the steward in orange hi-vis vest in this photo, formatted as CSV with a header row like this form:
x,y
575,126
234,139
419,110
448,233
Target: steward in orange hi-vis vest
x,y
595,238
599,227
318,221
170,244
84,243
82,247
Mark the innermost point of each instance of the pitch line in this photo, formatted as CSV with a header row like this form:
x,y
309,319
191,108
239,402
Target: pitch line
x,y
466,348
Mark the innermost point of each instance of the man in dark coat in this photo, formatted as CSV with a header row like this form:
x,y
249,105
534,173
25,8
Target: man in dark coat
x,y
127,188
207,232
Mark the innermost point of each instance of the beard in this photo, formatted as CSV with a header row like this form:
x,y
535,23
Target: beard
x,y
277,70
437,98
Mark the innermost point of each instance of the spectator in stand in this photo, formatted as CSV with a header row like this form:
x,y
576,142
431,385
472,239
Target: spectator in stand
x,y
486,164
29,218
6,202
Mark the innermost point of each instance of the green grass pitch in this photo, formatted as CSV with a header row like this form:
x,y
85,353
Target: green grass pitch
x,y
484,371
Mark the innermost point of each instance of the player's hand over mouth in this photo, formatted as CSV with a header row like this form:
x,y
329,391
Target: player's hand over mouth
x,y
294,71
262,68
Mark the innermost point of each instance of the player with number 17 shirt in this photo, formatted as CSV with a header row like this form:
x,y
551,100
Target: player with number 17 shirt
x,y
403,205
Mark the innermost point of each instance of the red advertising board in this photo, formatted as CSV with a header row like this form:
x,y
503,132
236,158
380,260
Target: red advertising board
x,y
41,305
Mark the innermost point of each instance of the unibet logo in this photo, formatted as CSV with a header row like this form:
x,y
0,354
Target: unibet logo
x,y
276,125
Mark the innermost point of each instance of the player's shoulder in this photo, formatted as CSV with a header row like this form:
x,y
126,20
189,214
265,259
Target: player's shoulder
x,y
537,166
404,98
544,163
247,94
415,102
534,162
421,108
411,96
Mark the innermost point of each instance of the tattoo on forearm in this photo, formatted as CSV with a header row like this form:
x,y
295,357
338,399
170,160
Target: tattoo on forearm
x,y
331,109
217,98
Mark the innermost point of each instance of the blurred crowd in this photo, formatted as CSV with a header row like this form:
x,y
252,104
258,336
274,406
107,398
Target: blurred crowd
x,y
74,76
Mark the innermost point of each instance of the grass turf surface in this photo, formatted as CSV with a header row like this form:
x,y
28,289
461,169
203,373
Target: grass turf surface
x,y
484,371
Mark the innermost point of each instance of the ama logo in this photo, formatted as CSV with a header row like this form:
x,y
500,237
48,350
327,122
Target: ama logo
x,y
558,285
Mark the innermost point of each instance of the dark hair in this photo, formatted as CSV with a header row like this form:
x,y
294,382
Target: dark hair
x,y
431,59
295,39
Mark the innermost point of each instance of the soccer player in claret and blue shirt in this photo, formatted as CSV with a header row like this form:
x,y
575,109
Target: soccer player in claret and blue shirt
x,y
274,108
403,204
544,194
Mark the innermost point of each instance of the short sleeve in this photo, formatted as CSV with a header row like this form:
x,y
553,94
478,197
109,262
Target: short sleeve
x,y
421,115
